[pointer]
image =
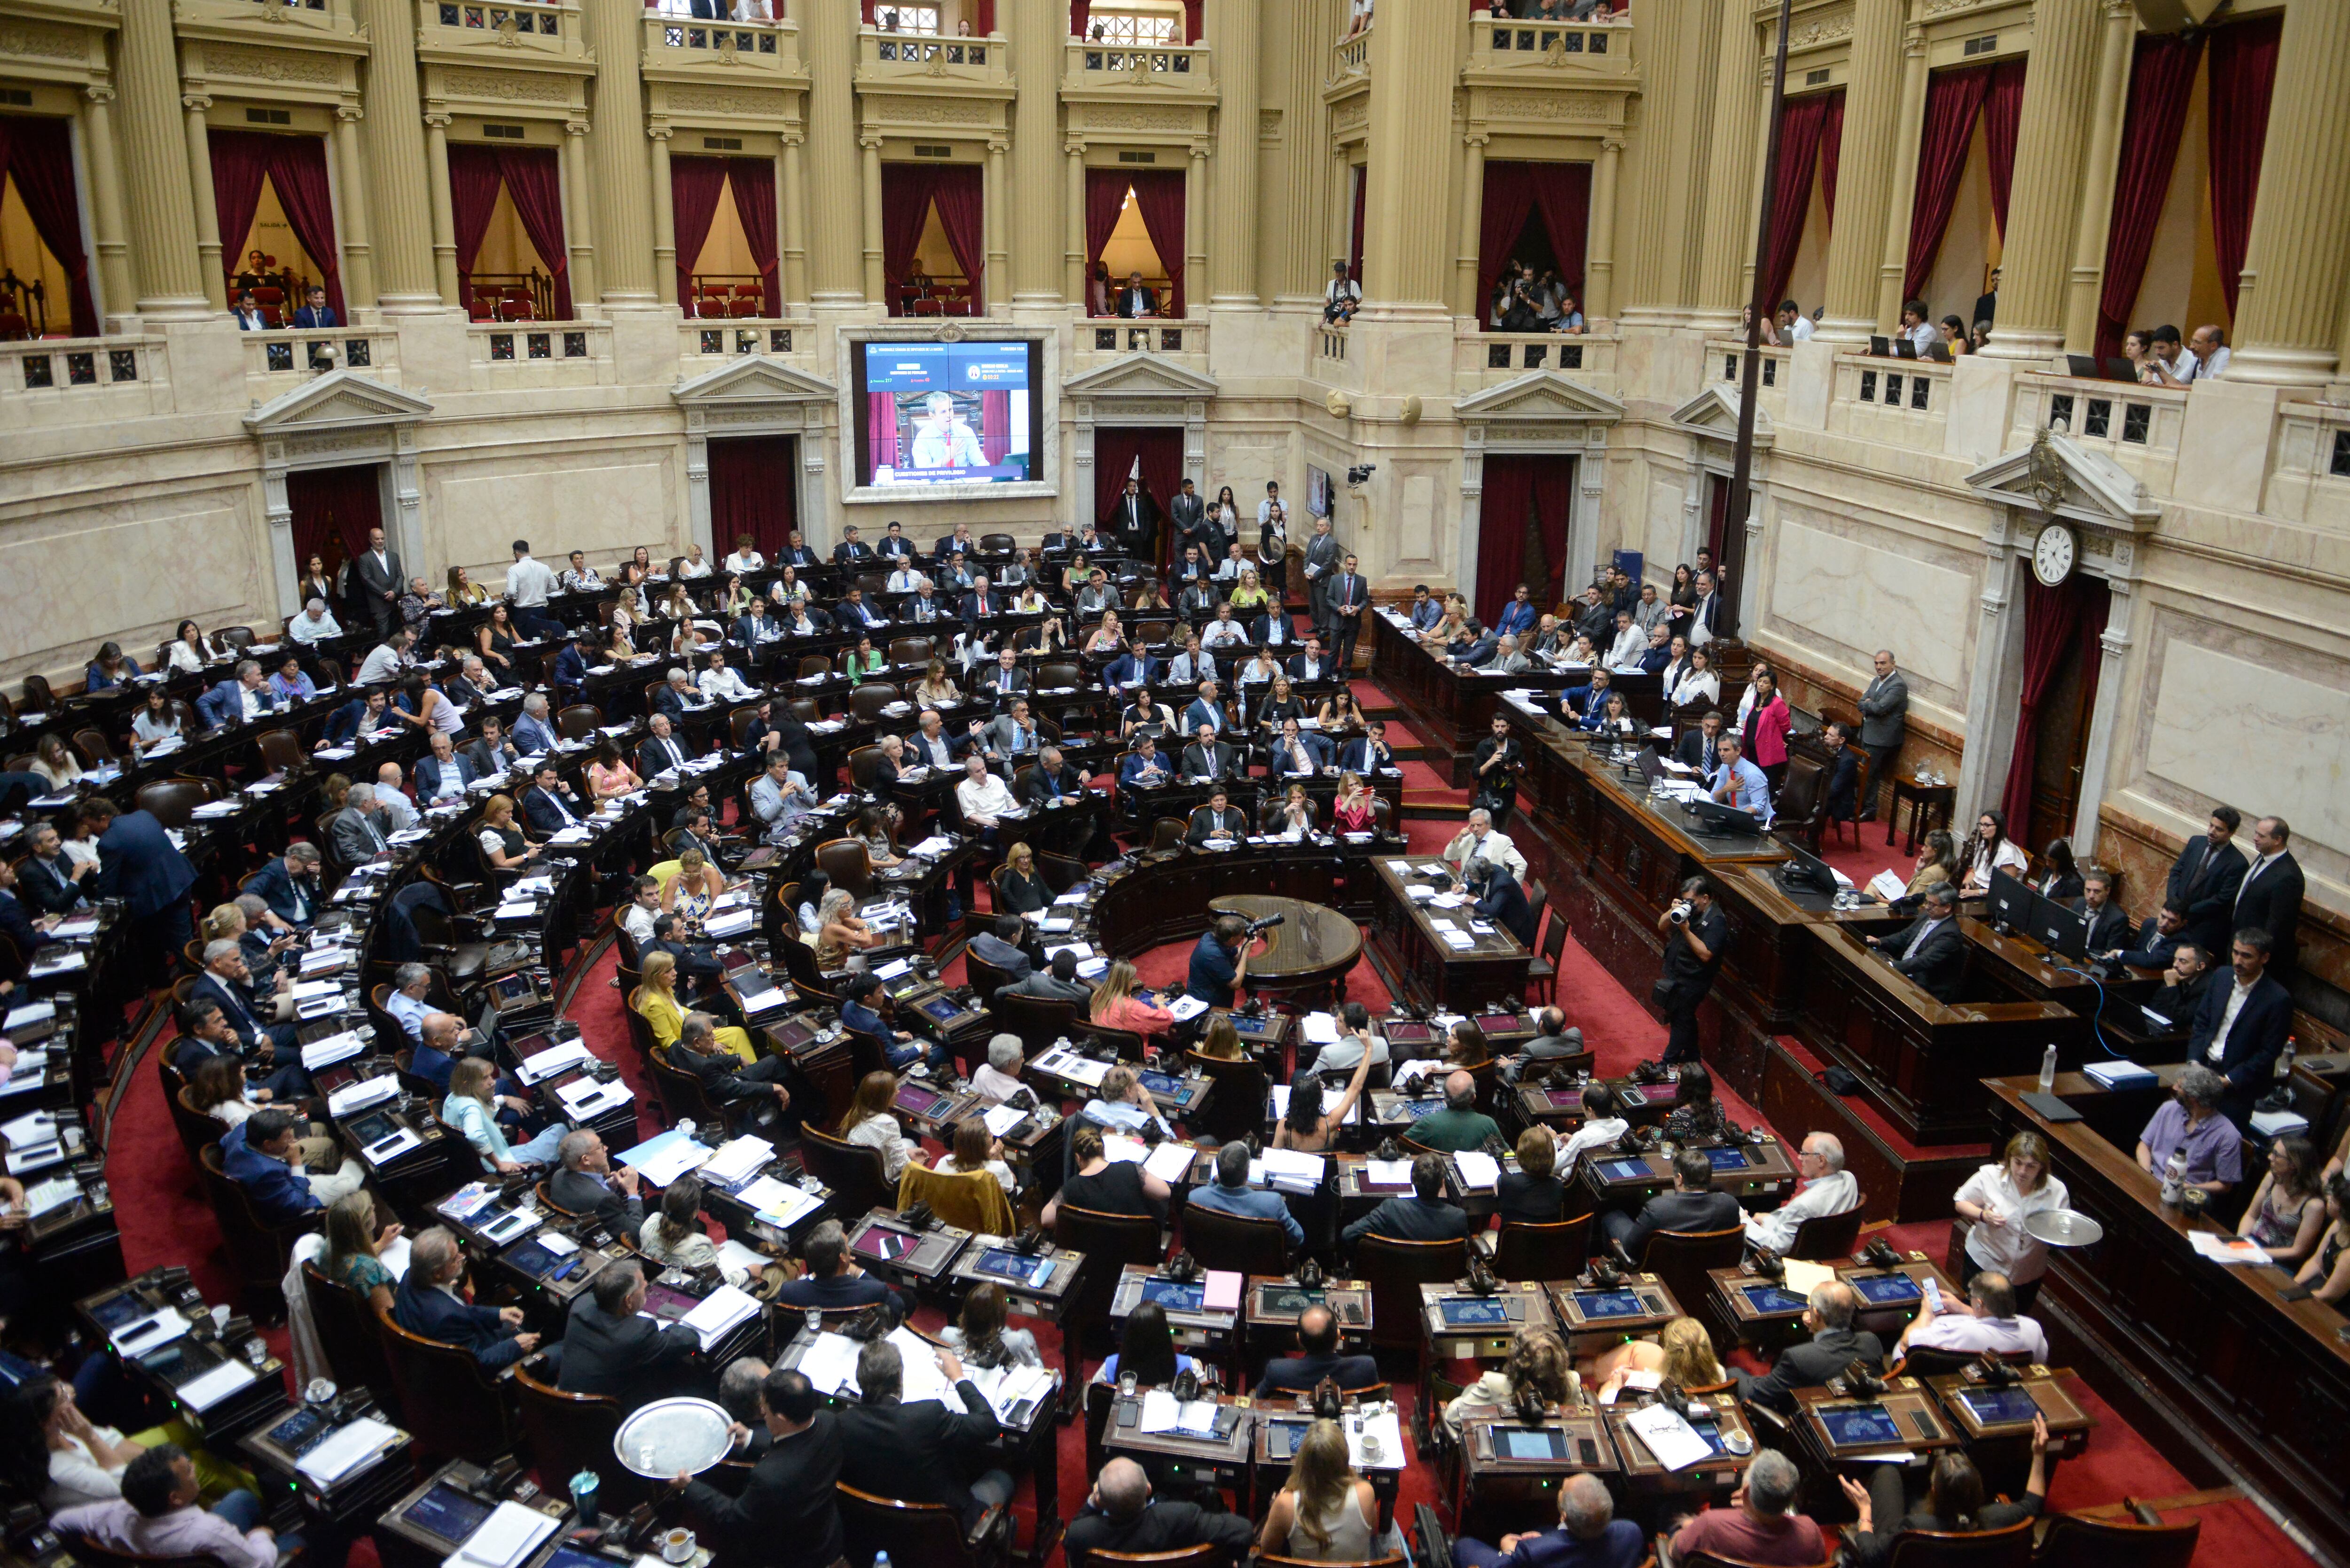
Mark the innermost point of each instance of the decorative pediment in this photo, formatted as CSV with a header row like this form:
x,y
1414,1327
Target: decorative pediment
x,y
754,378
1539,395
1714,414
339,399
2057,477
1139,376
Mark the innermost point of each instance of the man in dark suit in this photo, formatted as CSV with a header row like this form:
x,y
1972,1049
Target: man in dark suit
x,y
1000,946
549,804
745,1090
779,730
662,750
852,553
289,886
1841,789
1120,1515
796,552
1054,781
1208,758
1833,1345
2180,996
1135,667
376,580
980,602
1501,900
2205,878
1298,753
1135,521
609,1348
1884,721
1136,299
1425,1216
1349,598
787,1511
1930,949
1692,1205
1317,1357
588,1185
228,981
262,1156
2108,922
1188,514
2157,941
1707,620
49,882
1004,680
493,751
2270,895
138,863
569,676
1219,821
2241,1026
315,312
833,1281
427,1303
917,1453
1368,752
1695,749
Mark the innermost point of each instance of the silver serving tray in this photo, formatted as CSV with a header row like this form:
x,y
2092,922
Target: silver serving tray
x,y
673,1436
2063,1228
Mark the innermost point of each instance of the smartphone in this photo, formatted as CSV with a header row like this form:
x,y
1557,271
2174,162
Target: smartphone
x,y
1933,1294
1130,1412
1021,1412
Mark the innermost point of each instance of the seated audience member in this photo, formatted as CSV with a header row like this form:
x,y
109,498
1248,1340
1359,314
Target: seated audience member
x,y
979,1335
1538,1364
1425,1216
1146,1347
1310,1126
1459,1125
260,1152
1121,1515
746,1091
1759,1526
2327,1271
1058,981
1532,1195
1987,1320
472,1107
973,1150
1552,1042
1105,1186
674,1237
429,1305
1589,1535
2156,941
2241,1026
997,1079
1231,1193
2288,1210
159,1515
611,1346
1955,1502
918,1452
1317,1357
1000,946
833,1281
1323,1512
788,1508
1823,1187
2180,995
1603,1126
1834,1344
1681,1353
1692,1206
871,1121
586,1183
2190,1125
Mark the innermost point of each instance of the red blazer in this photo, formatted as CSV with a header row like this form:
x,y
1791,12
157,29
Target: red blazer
x,y
1768,726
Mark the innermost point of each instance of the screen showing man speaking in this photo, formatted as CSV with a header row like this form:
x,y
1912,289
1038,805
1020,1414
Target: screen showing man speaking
x,y
948,413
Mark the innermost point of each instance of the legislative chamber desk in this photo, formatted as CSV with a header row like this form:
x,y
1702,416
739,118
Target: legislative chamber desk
x,y
1433,972
2229,1380
1451,709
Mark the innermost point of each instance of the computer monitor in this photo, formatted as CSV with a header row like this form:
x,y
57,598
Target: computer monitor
x,y
1806,871
1724,821
1652,766
2011,901
2059,929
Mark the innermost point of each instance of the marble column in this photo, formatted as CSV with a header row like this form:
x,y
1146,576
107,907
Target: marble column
x,y
116,294
1412,157
828,42
445,213
1733,161
876,281
415,237
1072,248
2115,681
1872,106
1599,245
161,198
351,211
790,219
996,199
1043,272
664,220
1466,255
2045,199
578,203
200,183
615,142
1902,195
1197,222
1235,28
1290,266
2294,262
2097,176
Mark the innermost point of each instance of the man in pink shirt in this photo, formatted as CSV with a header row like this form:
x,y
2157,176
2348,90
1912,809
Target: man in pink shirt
x,y
157,1516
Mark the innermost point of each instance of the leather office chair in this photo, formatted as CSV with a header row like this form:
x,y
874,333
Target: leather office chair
x,y
1550,951
1037,1020
1555,1252
680,1091
1060,673
2008,1548
1129,1044
867,700
813,664
847,863
569,1432
1118,1240
261,1251
2075,1542
1801,808
914,650
855,1172
94,749
984,978
1235,1242
197,1129
347,1333
1167,834
968,1200
864,768
1182,1557
1826,1236
579,721
282,751
930,1533
1395,1271
1681,1259
451,1405
1061,872
174,801
1237,1107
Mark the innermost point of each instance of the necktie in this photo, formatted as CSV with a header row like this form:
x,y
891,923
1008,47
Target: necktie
x,y
1917,940
2259,865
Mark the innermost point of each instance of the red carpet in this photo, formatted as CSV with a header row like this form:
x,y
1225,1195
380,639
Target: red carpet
x,y
164,1216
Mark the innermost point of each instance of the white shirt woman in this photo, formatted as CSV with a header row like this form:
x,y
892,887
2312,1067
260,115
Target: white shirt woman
x,y
1697,686
2003,1247
882,1132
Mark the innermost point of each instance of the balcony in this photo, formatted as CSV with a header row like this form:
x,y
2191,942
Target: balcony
x,y
674,43
2310,480
700,343
57,381
276,362
1350,57
1899,402
903,61
1725,362
2138,426
507,356
1097,342
1483,359
279,23
1507,53
1125,65
523,33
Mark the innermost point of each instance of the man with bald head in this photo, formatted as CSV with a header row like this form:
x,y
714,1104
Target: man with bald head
x,y
1459,1125
1120,1516
1834,1344
1317,1357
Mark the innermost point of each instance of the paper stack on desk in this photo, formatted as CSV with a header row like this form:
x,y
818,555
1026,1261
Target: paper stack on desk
x,y
1380,1422
354,1445
1288,1171
334,1048
358,1095
663,1159
202,1393
1479,1172
585,1098
1162,1412
511,1533
541,1065
738,1158
1672,1440
1005,1387
1388,1172
720,1311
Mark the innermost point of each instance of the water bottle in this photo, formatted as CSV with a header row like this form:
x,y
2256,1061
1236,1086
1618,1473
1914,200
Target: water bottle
x,y
880,1560
2174,1177
2285,1058
2048,1069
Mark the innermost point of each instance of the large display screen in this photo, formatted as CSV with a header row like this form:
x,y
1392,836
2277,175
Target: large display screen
x,y
947,413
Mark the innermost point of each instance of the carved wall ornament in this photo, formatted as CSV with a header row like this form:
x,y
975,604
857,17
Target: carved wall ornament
x,y
726,100
509,87
1581,105
271,65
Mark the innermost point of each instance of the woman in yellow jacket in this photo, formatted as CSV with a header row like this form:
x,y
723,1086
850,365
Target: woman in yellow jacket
x,y
655,999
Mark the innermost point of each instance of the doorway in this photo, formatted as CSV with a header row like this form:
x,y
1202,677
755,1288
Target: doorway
x,y
333,510
2062,655
1527,509
753,484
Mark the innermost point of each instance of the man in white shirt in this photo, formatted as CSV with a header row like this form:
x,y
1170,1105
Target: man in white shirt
x,y
528,583
638,917
1601,1128
1631,643
2206,356
983,796
1986,1320
781,796
1825,1186
1794,327
315,624
906,580
391,799
1477,837
386,660
1224,631
1355,1035
1916,327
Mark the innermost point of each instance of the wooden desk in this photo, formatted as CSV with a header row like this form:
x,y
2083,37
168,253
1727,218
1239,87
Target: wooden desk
x,y
1510,1473
1449,709
1460,1325
2230,1382
1310,953
1490,969
1586,1316
1170,1457
1272,1305
1926,802
1983,1416
1717,1477
1763,1171
1834,1429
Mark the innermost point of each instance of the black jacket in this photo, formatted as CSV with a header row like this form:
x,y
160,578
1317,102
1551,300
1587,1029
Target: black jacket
x,y
580,1192
1410,1220
1204,824
2253,1041
1938,963
787,1514
1162,1526
1043,787
1809,1365
915,1453
631,1358
1843,785
1693,1213
1529,1200
1503,902
2209,892
1300,1374
2273,902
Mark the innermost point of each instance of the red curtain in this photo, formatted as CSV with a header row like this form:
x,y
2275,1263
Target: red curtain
x,y
1509,490
1562,196
1554,508
752,491
1081,16
695,186
754,203
982,17
240,160
473,197
1514,192
865,11
2003,112
2052,619
1954,100
1355,234
38,154
2162,78
1509,197
1801,123
909,191
994,425
1159,196
298,169
881,413
1831,150
905,209
962,201
2243,75
334,508
1116,448
1192,28
1104,199
534,180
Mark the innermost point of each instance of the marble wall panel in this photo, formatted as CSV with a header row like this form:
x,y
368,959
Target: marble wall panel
x,y
606,503
1833,591
129,569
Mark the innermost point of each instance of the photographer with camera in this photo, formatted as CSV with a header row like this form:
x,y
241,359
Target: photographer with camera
x,y
1695,934
1219,963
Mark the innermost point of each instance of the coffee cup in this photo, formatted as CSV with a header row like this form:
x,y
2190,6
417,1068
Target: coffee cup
x,y
677,1546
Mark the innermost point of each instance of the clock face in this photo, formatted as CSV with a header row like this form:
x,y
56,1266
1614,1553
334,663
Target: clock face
x,y
2052,554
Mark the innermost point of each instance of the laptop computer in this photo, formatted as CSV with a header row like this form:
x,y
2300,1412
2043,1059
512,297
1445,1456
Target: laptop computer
x,y
2084,365
1903,348
1881,347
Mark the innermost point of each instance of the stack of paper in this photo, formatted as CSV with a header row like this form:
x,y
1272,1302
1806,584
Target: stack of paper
x,y
663,1159
784,1207
1672,1440
45,1196
1162,1412
511,1533
365,1092
2119,1072
1076,1068
1387,1172
1479,1172
354,1445
203,1392
1288,1171
543,1064
830,1364
2223,1249
334,1048
719,1312
730,922
143,1335
30,1021
1002,1119
585,1098
1005,1387
738,1158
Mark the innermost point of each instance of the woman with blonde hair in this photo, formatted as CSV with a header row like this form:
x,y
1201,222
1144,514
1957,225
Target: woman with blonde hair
x,y
1353,811
1249,595
1115,1005
502,842
1682,1353
693,892
1325,1513
655,999
1107,638
1222,1043
975,1149
872,1122
840,931
1020,891
464,591
355,1247
1938,861
471,1106
934,690
1538,1361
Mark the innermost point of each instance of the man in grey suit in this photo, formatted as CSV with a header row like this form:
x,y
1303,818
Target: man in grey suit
x,y
377,581
1322,558
1011,739
1058,984
588,1185
357,832
1883,722
1189,513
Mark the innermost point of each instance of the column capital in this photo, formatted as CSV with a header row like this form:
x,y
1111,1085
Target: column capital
x,y
1612,142
436,120
660,132
1477,139
575,128
98,92
350,113
872,139
2118,10
999,144
1075,147
196,102
1199,150
795,138
1913,38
